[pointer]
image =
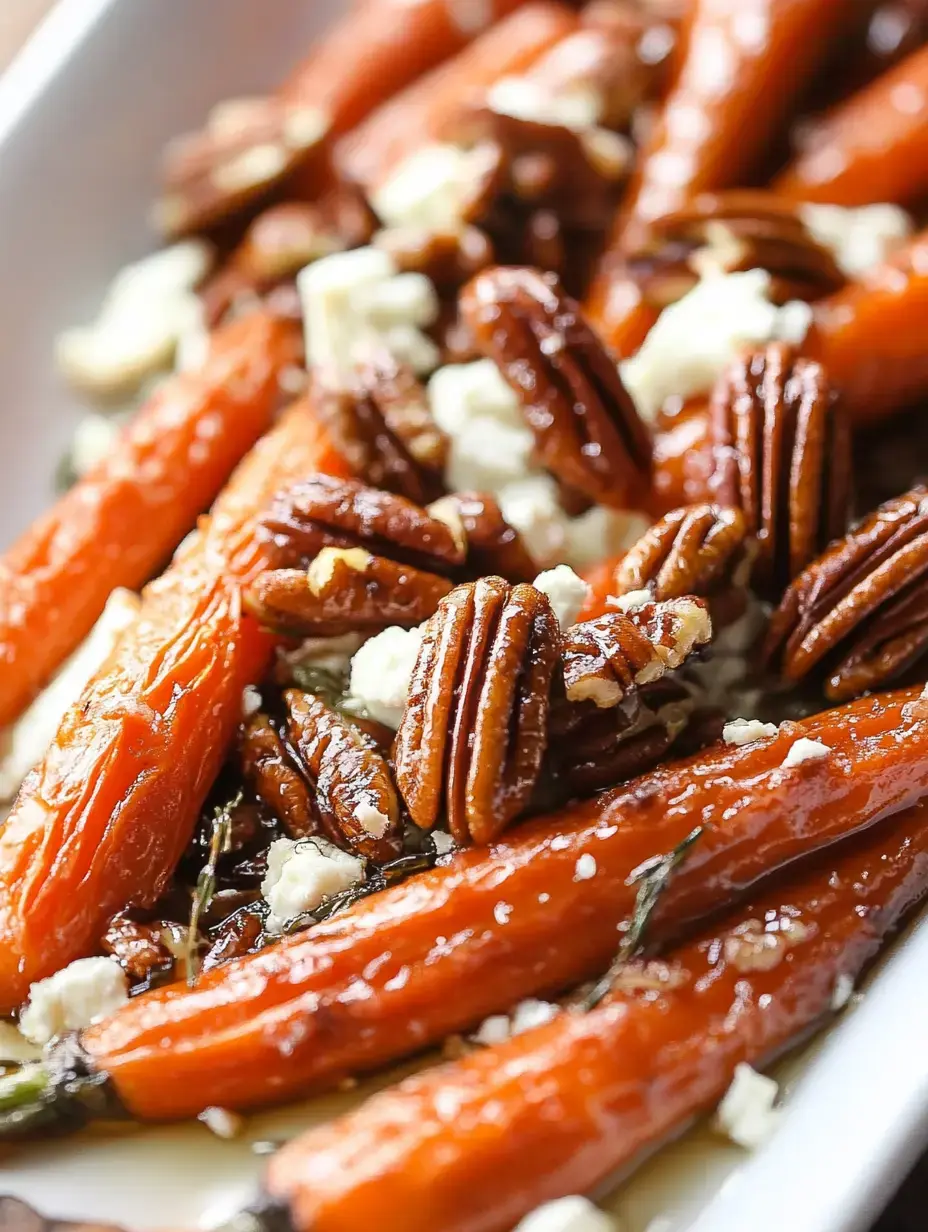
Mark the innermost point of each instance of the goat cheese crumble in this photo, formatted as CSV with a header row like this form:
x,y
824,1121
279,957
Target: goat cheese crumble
x,y
747,731
433,188
74,997
527,1015
858,238
747,1114
803,750
571,1214
381,672
566,591
302,874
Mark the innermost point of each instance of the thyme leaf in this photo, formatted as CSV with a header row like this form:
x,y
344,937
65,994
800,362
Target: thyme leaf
x,y
652,879
219,844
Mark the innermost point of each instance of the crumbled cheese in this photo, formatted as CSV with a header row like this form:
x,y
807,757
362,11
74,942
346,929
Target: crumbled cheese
x,y
302,874
527,1015
585,867
532,506
381,673
747,731
251,701
524,99
631,601
842,992
354,302
79,994
695,339
371,819
566,591
443,841
15,1049
433,188
493,1030
600,532
489,457
803,750
25,742
222,1122
501,912
458,393
747,1114
572,1214
858,238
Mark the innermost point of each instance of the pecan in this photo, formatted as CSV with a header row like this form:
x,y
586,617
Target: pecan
x,y
493,546
861,609
604,659
586,428
448,258
247,148
383,427
696,550
268,767
354,792
473,734
139,948
237,935
344,590
781,452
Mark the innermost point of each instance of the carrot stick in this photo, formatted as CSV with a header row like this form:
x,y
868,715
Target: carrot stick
x,y
421,112
871,147
119,524
474,1145
104,820
404,968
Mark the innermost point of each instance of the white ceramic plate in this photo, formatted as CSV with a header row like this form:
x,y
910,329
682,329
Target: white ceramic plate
x,y
83,115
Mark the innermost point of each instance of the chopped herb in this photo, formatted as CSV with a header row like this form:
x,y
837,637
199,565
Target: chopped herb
x,y
219,844
652,879
330,686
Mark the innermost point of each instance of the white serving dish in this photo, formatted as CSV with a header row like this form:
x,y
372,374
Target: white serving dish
x,y
83,115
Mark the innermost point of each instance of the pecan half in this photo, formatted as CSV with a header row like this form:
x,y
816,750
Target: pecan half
x,y
344,590
695,550
493,546
383,427
448,258
237,935
268,767
354,792
473,735
586,428
781,452
247,147
603,659
324,512
139,948
861,609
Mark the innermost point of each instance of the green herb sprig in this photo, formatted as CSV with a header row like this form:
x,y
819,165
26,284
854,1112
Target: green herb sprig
x,y
220,844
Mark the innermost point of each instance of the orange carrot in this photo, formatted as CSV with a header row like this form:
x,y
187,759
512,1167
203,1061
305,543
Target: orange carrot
x,y
474,1145
120,523
104,820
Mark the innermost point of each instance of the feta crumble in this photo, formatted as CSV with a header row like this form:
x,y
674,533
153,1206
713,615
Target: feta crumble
x,y
858,238
842,992
444,843
696,338
532,506
747,731
302,874
381,673
527,1015
631,601
566,591
524,99
74,997
371,819
433,188
572,1214
747,1114
803,750
251,701
222,1122
585,868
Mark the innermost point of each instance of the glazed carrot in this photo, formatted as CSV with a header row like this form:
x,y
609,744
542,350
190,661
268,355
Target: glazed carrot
x,y
474,1145
872,147
104,820
870,335
618,309
121,522
404,968
682,460
421,112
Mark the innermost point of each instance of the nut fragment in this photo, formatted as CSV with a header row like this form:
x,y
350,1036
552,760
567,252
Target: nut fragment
x,y
345,590
138,947
268,767
603,659
473,735
695,550
324,512
861,609
493,546
354,793
782,456
586,428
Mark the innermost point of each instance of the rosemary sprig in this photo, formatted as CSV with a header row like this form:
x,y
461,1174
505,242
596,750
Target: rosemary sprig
x,y
219,844
652,879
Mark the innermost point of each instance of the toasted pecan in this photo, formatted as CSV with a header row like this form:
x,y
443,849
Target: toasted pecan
x,y
473,735
493,546
694,550
269,768
781,451
586,427
137,946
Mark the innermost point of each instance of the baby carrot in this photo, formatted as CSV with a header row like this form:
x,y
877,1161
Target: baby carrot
x,y
120,523
404,968
474,1145
103,821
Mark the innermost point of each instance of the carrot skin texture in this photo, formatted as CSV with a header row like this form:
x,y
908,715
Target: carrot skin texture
x,y
104,820
120,523
560,1108
869,147
405,968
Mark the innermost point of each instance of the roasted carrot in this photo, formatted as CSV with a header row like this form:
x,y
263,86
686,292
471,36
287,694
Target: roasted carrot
x,y
615,305
402,969
105,819
871,147
420,113
119,524
474,1145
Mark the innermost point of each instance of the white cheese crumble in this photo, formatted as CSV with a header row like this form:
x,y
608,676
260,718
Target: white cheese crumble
x,y
222,1122
527,1015
601,532
251,701
858,238
355,302
24,743
696,338
371,819
381,673
803,750
74,997
747,731
566,591
444,843
460,393
433,188
302,874
531,505
571,1214
585,868
747,1114
842,992
631,601
524,99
